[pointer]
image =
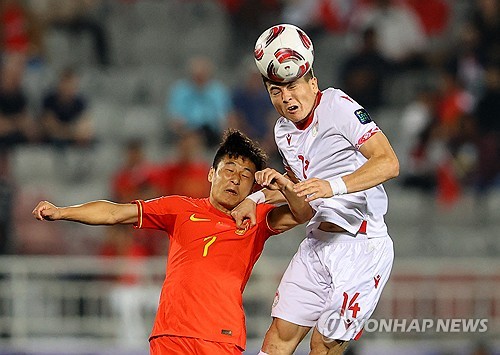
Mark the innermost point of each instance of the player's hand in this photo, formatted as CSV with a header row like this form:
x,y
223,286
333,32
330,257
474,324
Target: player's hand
x,y
46,211
272,179
245,213
313,188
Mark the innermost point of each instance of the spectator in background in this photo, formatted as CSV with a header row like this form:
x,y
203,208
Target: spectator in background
x,y
417,138
401,38
252,112
364,72
318,17
65,118
199,102
486,18
434,15
187,173
16,123
247,18
466,60
488,131
452,138
21,31
135,176
455,103
76,17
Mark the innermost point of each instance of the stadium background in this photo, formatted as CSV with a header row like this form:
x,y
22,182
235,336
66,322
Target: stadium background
x,y
59,295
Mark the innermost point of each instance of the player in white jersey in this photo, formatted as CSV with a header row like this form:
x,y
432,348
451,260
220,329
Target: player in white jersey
x,y
339,158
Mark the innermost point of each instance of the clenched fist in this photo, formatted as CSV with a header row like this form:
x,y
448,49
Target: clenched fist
x,y
46,211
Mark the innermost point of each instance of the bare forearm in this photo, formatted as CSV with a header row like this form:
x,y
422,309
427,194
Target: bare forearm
x,y
374,172
100,213
274,197
300,209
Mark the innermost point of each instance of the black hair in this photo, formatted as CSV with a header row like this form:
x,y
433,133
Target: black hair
x,y
308,76
236,144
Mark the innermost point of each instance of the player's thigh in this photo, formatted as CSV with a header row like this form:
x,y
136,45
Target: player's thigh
x,y
320,345
305,288
166,345
359,273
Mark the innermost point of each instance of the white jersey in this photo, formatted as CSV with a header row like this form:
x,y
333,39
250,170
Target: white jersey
x,y
328,147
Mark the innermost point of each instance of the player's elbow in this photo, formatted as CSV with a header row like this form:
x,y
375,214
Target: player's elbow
x,y
392,168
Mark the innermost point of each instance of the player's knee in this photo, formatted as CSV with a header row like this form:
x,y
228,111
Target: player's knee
x,y
286,331
321,345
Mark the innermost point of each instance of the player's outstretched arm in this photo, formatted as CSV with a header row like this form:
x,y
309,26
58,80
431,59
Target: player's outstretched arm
x,y
285,217
94,213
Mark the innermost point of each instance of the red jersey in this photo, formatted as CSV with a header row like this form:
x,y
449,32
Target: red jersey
x,y
209,263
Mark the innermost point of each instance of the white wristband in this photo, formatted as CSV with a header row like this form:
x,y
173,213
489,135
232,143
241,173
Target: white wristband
x,y
257,197
338,186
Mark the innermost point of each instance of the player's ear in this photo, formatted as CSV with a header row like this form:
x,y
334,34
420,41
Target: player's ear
x,y
314,83
211,173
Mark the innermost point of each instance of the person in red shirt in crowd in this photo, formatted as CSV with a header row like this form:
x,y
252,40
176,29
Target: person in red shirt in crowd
x,y
209,259
135,177
186,174
21,31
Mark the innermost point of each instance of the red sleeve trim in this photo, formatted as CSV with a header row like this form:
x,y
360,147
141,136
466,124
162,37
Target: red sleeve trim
x,y
140,209
367,136
274,231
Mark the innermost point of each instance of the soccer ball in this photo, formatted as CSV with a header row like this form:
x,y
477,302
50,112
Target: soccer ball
x,y
284,53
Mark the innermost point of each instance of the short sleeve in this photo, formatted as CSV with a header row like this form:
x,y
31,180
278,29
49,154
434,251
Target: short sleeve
x,y
262,210
159,213
354,122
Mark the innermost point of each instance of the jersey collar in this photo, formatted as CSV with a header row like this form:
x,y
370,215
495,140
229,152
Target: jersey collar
x,y
306,122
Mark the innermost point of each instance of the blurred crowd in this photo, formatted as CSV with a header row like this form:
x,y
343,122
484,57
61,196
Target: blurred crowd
x,y
446,134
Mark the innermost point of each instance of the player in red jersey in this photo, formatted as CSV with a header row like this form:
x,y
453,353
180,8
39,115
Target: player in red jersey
x,y
209,258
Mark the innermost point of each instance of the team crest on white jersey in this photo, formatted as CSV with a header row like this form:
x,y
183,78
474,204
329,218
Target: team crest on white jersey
x,y
276,299
288,138
315,129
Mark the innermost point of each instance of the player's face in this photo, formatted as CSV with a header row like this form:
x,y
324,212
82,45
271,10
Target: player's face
x,y
294,100
232,181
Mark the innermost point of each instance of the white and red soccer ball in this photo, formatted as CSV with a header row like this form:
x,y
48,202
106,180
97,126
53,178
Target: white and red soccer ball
x,y
284,53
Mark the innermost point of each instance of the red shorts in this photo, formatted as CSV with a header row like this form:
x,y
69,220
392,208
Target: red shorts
x,y
175,345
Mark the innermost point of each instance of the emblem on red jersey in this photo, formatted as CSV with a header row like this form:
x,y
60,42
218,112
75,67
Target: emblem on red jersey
x,y
377,280
241,231
193,218
288,138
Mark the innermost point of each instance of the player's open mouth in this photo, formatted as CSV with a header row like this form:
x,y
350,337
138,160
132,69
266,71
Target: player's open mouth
x,y
232,192
292,108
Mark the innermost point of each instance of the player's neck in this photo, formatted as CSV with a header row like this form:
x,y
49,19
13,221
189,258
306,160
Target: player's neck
x,y
218,206
306,122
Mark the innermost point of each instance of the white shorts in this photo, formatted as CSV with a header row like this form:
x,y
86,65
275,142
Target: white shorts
x,y
334,282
